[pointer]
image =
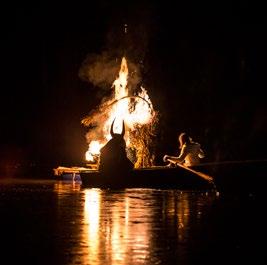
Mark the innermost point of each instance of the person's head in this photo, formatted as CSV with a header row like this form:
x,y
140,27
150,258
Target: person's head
x,y
183,139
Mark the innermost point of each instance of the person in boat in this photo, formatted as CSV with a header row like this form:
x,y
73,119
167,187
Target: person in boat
x,y
113,156
190,152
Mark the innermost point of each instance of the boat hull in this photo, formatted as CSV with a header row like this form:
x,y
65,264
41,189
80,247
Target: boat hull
x,y
228,177
160,177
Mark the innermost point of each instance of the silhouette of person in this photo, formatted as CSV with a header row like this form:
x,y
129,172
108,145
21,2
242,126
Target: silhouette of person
x,y
190,153
113,157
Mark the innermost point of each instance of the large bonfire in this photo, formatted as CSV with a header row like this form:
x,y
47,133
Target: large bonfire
x,y
138,114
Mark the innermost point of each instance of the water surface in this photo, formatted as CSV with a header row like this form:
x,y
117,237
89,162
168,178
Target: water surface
x,y
56,222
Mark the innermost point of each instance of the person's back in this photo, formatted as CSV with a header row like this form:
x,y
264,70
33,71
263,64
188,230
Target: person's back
x,y
192,154
113,158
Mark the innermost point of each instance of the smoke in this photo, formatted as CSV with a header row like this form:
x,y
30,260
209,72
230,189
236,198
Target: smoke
x,y
128,37
101,70
95,129
95,120
92,72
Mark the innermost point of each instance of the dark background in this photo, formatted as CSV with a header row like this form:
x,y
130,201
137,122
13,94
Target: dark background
x,y
203,65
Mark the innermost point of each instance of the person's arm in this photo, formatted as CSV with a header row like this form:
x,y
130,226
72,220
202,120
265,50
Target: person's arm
x,y
201,153
176,159
182,154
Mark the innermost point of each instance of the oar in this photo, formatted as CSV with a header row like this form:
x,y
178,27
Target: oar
x,y
202,175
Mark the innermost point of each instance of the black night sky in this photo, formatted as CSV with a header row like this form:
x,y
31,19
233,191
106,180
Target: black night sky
x,y
203,65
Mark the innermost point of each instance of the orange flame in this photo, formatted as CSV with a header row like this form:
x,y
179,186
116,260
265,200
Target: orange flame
x,y
142,112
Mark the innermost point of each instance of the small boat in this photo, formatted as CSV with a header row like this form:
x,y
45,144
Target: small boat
x,y
161,177
227,176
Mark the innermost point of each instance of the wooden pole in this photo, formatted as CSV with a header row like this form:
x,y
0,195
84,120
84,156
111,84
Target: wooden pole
x,y
202,175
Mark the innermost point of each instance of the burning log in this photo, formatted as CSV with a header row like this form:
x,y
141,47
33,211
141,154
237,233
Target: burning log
x,y
113,157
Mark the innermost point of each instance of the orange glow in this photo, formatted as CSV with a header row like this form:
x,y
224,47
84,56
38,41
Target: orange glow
x,y
60,187
91,219
124,229
134,110
94,149
142,113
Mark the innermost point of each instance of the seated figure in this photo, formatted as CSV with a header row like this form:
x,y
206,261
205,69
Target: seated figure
x,y
113,156
190,153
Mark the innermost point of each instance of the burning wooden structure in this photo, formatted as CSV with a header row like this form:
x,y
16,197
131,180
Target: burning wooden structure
x,y
140,118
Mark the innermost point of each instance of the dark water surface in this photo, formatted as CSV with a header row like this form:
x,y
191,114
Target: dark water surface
x,y
53,222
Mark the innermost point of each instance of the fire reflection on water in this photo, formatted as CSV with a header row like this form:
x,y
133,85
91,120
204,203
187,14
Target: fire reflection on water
x,y
51,222
122,236
60,187
129,226
91,223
